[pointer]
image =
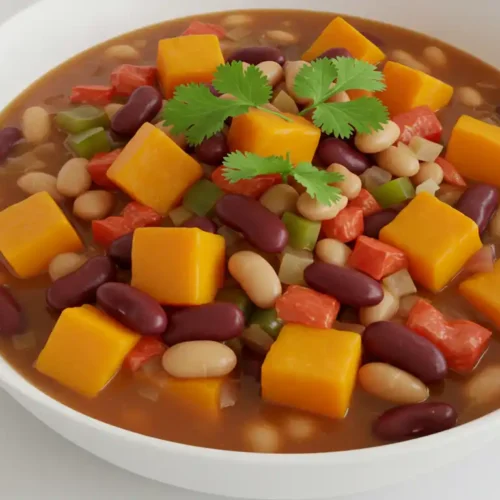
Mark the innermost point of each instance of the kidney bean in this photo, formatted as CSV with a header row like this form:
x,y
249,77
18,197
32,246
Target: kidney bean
x,y
258,54
80,286
335,52
213,90
397,345
416,420
120,251
142,106
10,313
348,286
218,321
376,40
334,150
375,222
261,227
212,150
203,223
133,308
479,202
8,138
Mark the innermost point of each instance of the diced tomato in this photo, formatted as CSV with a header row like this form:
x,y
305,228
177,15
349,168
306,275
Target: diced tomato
x,y
107,230
421,122
366,202
376,259
307,307
99,95
254,188
127,77
346,226
98,167
461,342
144,350
138,215
199,28
450,173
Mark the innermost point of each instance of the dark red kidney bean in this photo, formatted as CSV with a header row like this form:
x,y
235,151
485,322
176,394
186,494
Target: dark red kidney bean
x,y
133,308
334,150
335,52
373,38
251,363
120,251
348,286
399,346
202,223
415,420
218,321
258,54
375,222
212,150
478,202
10,313
142,106
213,90
80,286
260,226
8,138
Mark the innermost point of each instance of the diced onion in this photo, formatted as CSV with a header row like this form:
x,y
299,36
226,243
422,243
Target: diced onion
x,y
149,392
229,394
406,305
24,341
293,265
257,339
400,284
374,177
285,103
428,186
424,149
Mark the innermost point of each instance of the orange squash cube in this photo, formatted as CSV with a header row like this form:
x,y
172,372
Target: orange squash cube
x,y
33,232
269,135
153,170
408,88
178,266
312,369
437,240
339,33
187,59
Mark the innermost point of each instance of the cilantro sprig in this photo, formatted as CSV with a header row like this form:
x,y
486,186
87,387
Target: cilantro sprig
x,y
240,166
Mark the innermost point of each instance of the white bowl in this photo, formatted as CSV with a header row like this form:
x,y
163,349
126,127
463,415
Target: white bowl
x,y
50,32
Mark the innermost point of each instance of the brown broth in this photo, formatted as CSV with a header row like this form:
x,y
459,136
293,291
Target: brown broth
x,y
120,404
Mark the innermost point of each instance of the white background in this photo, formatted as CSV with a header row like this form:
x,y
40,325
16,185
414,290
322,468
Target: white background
x,y
35,463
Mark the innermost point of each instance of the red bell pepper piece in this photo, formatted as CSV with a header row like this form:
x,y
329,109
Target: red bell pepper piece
x,y
127,77
307,307
254,188
138,215
144,350
346,226
450,173
99,95
421,122
98,168
366,202
461,342
199,28
107,230
376,259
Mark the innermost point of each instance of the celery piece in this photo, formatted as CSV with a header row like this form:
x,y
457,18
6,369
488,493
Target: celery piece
x,y
302,233
394,192
268,320
237,297
89,143
202,197
82,118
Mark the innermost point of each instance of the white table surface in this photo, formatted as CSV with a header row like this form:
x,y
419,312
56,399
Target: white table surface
x,y
36,463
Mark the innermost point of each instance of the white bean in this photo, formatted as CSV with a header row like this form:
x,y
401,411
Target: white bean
x,y
262,437
428,170
281,37
407,59
332,251
36,182
435,56
383,311
300,427
273,72
94,205
73,178
469,96
233,20
484,386
312,209
35,124
291,70
351,185
65,263
280,199
123,52
377,141
398,162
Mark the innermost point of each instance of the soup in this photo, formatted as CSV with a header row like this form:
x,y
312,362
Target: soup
x,y
331,286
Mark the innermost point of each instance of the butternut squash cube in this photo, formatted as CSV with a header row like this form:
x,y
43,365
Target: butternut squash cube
x,y
153,170
474,150
85,350
339,33
408,88
178,266
312,369
33,232
187,59
268,135
437,239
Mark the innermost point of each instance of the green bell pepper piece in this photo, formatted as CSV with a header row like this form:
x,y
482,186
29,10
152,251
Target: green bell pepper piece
x,y
89,143
237,297
302,233
268,320
394,192
82,118
202,197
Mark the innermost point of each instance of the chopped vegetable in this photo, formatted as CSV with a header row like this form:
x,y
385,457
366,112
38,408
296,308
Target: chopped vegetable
x,y
436,238
128,77
312,369
237,297
180,215
90,142
144,350
428,186
257,339
81,118
450,173
105,231
285,103
481,262
268,320
346,226
302,233
254,187
33,232
166,170
138,215
424,149
374,177
98,168
293,264
375,258
368,204
99,95
408,88
201,197
307,307
178,266
85,350
418,122
339,33
394,192
199,28
400,284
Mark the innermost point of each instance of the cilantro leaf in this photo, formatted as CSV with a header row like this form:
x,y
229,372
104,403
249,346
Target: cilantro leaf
x,y
356,74
317,182
314,80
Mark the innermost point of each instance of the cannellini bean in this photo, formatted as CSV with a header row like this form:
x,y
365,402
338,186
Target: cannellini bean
x,y
377,141
300,427
435,56
484,386
312,209
494,226
291,70
351,185
332,251
123,52
112,108
280,199
340,97
233,20
65,263
281,37
273,72
94,205
469,96
407,59
35,124
398,162
262,437
383,311
428,170
73,178
36,182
